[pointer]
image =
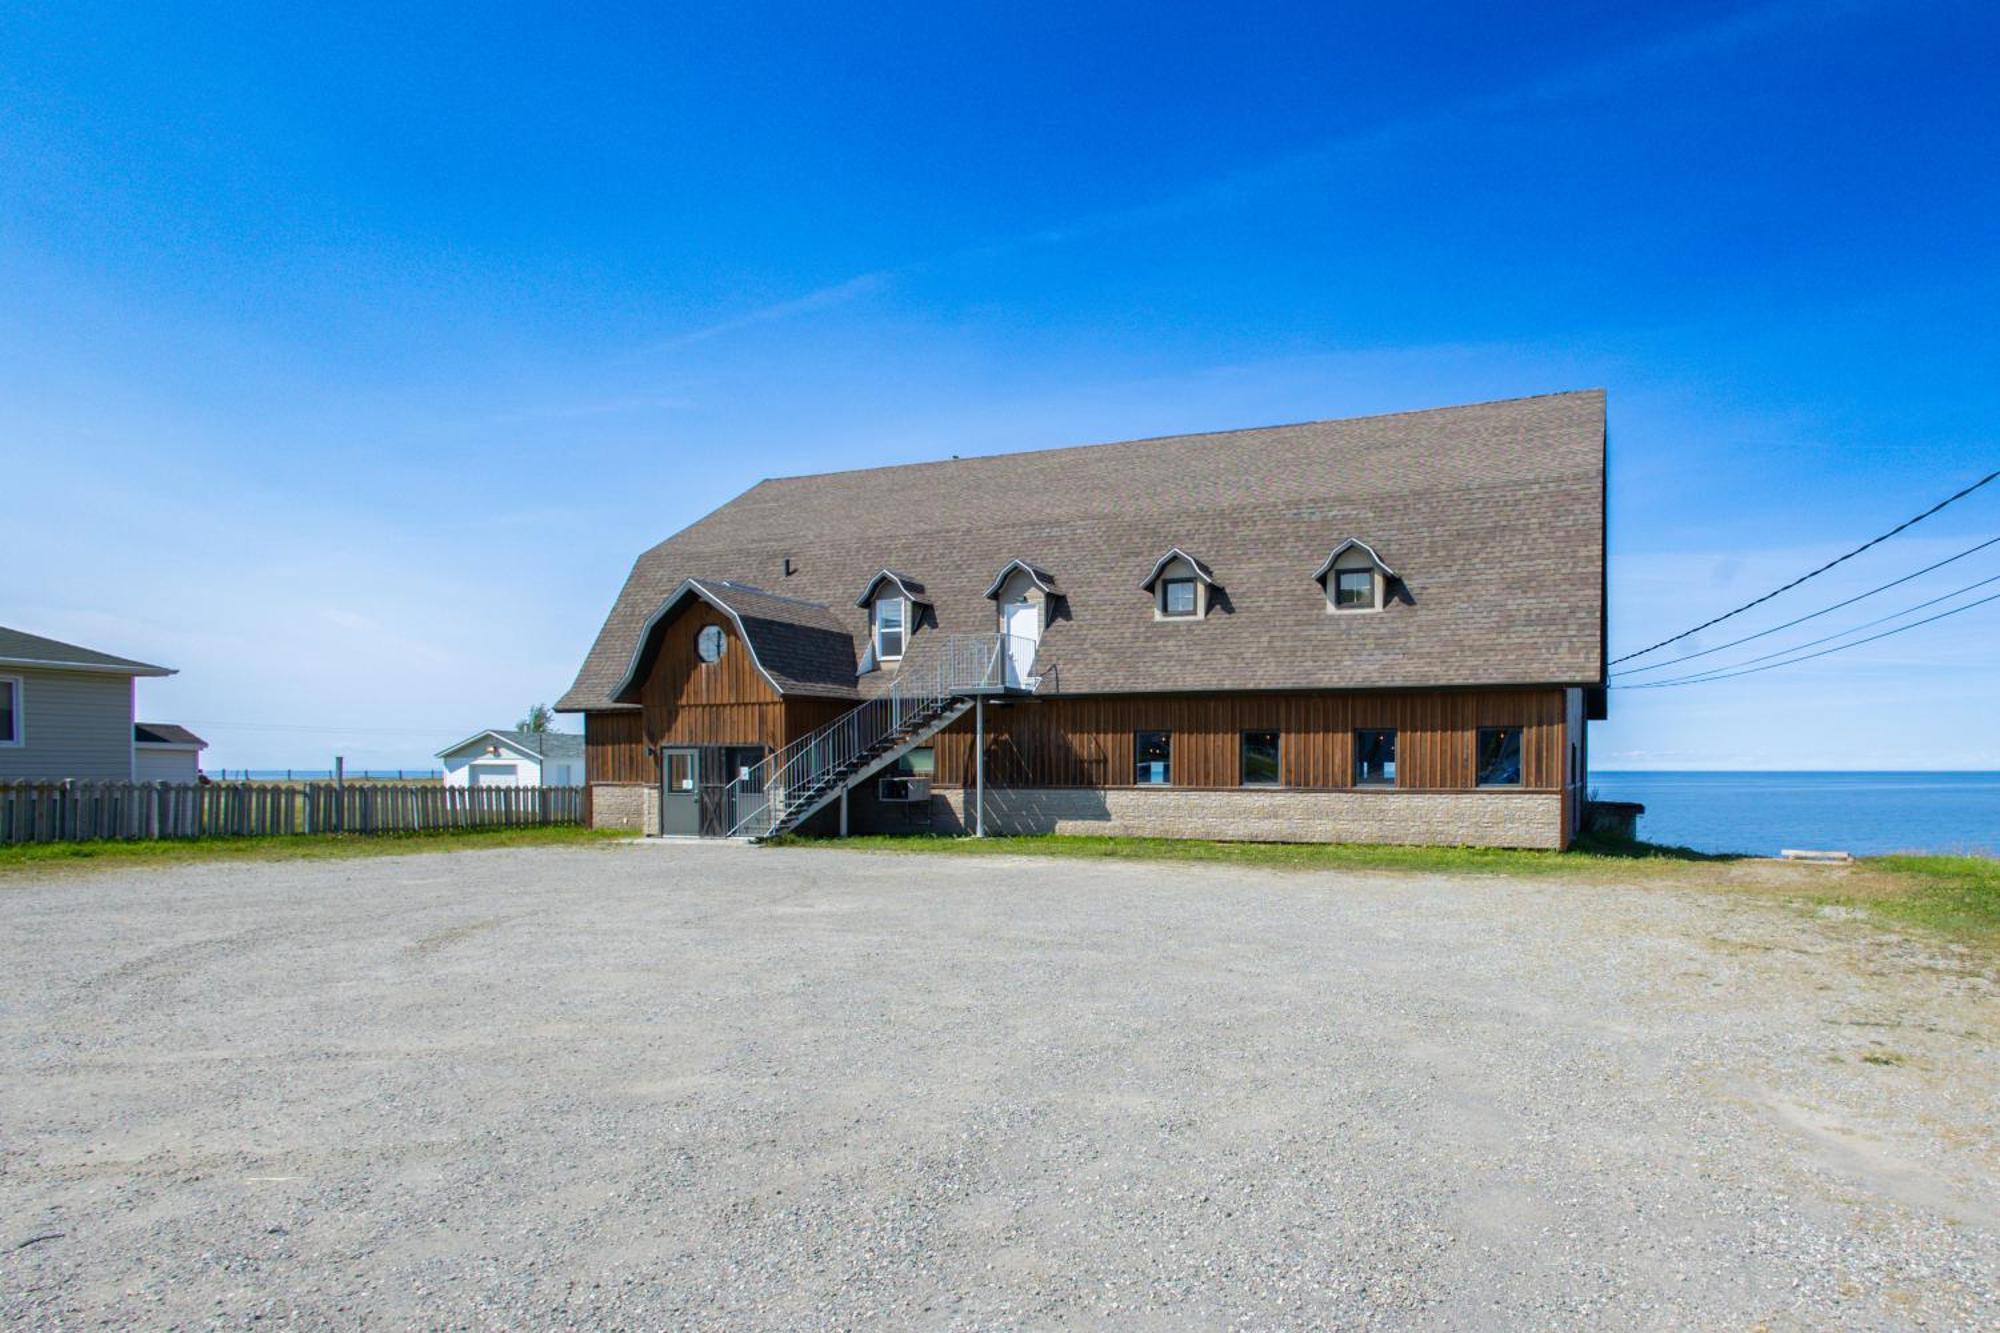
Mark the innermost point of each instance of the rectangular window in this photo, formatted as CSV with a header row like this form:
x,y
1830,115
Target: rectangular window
x,y
1499,756
889,629
680,772
1177,597
1375,758
1260,758
10,710
1153,758
918,763
1354,589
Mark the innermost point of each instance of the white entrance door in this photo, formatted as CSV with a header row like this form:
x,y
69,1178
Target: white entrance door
x,y
1023,621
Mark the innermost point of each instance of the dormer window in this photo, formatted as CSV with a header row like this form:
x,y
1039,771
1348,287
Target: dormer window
x,y
1356,578
896,609
1354,590
1183,588
891,619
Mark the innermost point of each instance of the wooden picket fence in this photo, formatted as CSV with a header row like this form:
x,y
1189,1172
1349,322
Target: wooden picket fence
x,y
84,811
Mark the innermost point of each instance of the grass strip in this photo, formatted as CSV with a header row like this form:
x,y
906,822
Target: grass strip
x,y
112,853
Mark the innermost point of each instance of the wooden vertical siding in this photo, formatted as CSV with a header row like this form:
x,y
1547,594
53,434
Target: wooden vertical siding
x,y
686,701
614,748
1087,742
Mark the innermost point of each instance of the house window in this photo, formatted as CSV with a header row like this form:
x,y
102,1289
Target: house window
x,y
1260,758
1354,590
1177,597
1499,756
889,629
10,710
920,762
1375,758
1153,758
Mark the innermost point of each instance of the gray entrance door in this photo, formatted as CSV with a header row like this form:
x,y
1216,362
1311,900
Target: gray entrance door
x,y
680,792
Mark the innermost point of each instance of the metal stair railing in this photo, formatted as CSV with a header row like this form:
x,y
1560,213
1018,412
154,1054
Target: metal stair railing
x,y
796,780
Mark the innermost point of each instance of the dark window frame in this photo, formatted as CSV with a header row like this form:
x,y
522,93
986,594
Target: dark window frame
x,y
1167,587
15,734
1374,597
1395,772
1138,749
1520,755
1277,758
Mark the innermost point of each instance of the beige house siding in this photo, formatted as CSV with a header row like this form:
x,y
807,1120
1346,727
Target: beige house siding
x,y
73,724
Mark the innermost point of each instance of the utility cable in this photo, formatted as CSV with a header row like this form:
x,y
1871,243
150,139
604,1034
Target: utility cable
x,y
1838,648
1815,573
1689,657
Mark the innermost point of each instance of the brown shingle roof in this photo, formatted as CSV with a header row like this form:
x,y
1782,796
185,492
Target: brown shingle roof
x,y
1492,514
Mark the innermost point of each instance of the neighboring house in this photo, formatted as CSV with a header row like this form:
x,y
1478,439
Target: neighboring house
x,y
1381,629
65,711
163,752
515,759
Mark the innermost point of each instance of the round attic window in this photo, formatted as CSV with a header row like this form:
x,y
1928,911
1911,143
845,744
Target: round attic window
x,y
710,643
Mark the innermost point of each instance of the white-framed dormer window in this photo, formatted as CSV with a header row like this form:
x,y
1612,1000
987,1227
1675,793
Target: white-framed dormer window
x,y
891,616
1178,597
12,729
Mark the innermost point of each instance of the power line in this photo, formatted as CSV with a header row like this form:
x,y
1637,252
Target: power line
x,y
1815,573
1829,638
1705,677
1689,657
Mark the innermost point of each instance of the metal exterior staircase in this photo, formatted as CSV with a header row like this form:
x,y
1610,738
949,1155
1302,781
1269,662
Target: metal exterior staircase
x,y
799,781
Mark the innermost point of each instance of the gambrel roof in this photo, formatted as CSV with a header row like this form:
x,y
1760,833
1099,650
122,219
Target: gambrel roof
x,y
800,647
1495,513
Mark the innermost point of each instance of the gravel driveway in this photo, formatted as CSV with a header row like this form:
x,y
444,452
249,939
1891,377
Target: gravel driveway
x,y
652,1086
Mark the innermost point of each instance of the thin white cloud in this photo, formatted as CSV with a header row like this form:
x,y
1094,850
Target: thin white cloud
x,y
840,293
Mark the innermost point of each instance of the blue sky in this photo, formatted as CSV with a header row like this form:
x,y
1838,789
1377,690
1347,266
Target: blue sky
x,y
347,360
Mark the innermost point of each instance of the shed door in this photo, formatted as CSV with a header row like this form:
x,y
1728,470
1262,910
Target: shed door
x,y
494,775
680,792
1023,627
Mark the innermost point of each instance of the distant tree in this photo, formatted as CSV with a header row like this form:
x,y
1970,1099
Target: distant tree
x,y
539,719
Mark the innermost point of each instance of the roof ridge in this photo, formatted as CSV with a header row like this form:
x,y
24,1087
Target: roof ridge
x,y
761,592
1188,435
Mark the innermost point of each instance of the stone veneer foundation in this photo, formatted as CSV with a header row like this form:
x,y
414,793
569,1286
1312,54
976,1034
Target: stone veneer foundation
x,y
1469,819
635,807
1476,819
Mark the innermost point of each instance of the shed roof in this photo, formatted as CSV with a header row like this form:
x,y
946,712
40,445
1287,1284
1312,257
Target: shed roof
x,y
165,733
545,745
1493,515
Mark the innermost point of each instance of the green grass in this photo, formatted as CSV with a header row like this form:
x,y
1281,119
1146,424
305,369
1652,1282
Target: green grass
x,y
1953,895
1957,897
1589,855
299,847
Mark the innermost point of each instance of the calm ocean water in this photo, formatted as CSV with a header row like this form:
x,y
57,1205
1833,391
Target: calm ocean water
x,y
1863,813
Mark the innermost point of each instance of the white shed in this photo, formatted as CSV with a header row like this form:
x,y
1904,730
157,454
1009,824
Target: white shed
x,y
514,759
163,752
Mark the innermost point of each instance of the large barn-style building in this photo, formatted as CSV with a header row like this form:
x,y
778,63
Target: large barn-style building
x,y
1382,629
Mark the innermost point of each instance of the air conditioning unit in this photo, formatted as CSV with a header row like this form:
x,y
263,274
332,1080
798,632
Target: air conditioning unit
x,y
898,790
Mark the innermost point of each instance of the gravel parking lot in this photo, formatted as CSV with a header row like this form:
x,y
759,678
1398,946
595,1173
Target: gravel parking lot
x,y
653,1086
